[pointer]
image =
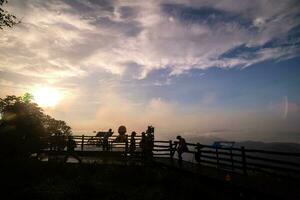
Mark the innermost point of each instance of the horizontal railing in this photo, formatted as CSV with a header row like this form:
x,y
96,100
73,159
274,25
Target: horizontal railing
x,y
240,160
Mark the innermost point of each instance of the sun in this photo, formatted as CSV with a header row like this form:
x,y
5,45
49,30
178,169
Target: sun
x,y
47,96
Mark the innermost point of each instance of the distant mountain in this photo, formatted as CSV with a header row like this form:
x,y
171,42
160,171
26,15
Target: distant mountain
x,y
271,146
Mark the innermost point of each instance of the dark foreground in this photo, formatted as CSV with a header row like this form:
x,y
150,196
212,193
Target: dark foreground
x,y
42,180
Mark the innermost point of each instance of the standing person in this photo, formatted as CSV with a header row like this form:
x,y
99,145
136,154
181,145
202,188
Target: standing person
x,y
149,145
143,145
132,146
105,140
71,145
181,147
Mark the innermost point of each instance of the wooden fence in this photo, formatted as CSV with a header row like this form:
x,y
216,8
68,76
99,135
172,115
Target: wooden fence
x,y
240,160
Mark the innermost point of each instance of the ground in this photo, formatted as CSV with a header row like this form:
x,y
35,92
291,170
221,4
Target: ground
x,y
42,180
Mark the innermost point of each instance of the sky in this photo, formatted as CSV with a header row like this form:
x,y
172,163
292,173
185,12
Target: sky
x,y
227,69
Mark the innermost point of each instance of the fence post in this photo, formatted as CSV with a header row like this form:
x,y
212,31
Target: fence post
x,y
232,161
51,143
217,156
244,160
126,145
110,145
198,159
82,142
171,149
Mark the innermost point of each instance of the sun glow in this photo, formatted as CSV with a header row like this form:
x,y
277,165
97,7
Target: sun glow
x,y
47,96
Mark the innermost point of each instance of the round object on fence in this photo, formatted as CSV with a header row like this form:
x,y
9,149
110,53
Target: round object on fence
x,y
122,130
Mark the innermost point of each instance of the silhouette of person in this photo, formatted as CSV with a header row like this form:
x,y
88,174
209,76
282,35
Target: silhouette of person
x,y
132,146
180,147
143,145
105,140
149,145
71,145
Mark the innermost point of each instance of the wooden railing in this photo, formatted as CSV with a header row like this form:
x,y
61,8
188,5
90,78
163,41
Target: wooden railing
x,y
95,143
240,160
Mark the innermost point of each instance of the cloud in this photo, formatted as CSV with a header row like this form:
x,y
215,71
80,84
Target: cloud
x,y
58,39
111,108
41,44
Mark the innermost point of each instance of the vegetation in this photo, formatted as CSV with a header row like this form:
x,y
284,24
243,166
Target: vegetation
x,y
23,125
6,19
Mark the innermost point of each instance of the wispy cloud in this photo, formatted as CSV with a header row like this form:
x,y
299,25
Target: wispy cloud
x,y
70,38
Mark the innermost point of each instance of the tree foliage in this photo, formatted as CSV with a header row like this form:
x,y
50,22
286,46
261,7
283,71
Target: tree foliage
x,y
56,127
6,19
23,126
27,97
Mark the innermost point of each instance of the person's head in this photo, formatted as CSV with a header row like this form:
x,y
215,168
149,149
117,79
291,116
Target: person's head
x,y
143,133
122,130
133,133
178,137
110,130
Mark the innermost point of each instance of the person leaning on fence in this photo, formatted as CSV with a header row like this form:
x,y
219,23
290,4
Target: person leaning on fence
x,y
71,145
181,147
132,146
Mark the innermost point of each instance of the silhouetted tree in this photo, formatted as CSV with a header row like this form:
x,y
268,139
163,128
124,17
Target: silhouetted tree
x,y
56,127
6,19
23,125
58,131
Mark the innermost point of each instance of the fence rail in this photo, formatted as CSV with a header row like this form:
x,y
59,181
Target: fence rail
x,y
240,160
